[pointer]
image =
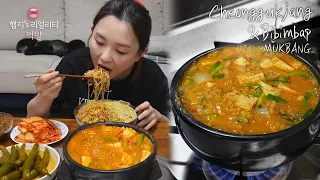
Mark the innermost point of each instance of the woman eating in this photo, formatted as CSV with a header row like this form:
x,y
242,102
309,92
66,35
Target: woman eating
x,y
120,36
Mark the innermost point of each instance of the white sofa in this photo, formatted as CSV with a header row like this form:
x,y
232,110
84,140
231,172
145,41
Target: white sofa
x,y
74,21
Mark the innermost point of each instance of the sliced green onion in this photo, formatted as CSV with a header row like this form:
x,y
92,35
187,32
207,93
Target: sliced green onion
x,y
230,58
255,63
298,117
306,98
260,101
188,82
141,139
307,113
258,92
286,117
212,117
299,72
217,67
282,79
310,74
251,84
243,120
275,98
305,76
219,76
290,125
109,139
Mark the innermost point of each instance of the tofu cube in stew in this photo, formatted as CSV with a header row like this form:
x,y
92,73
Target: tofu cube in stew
x,y
241,61
266,63
267,89
281,65
250,77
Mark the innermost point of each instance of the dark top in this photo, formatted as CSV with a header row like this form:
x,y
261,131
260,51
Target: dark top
x,y
152,85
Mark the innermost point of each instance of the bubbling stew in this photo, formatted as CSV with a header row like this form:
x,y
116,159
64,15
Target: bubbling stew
x,y
247,90
109,147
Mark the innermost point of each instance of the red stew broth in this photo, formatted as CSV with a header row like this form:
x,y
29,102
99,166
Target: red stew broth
x,y
247,90
109,147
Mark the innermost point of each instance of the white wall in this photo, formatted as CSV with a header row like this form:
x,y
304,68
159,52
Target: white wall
x,y
188,41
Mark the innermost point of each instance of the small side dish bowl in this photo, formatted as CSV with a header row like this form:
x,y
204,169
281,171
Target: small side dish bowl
x,y
54,158
6,122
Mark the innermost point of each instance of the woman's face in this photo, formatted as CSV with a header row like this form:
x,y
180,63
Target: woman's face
x,y
114,47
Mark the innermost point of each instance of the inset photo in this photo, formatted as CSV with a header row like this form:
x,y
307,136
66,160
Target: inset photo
x,y
245,90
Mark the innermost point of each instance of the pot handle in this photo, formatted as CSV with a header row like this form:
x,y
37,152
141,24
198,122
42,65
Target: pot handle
x,y
317,140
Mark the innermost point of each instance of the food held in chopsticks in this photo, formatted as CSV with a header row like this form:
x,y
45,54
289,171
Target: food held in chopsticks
x,y
100,81
37,129
103,111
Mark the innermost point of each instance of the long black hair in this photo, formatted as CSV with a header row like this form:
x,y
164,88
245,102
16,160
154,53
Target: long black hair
x,y
135,14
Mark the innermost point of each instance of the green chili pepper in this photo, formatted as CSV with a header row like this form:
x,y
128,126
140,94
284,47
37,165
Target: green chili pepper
x,y
28,164
219,76
39,166
217,67
22,156
15,175
6,154
34,173
307,113
46,157
6,168
275,98
14,155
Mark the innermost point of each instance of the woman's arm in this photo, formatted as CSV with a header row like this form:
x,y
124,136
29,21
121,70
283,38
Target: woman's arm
x,y
39,106
48,87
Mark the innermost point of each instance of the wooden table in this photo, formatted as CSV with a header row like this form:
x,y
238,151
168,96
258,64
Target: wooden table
x,y
160,132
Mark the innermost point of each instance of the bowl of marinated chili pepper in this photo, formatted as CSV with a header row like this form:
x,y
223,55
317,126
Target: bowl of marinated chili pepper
x,y
28,161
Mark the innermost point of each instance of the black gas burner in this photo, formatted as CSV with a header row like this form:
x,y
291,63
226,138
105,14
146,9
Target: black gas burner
x,y
203,170
306,167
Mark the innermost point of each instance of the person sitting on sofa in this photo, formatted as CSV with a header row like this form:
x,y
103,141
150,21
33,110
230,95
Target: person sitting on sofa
x,y
120,35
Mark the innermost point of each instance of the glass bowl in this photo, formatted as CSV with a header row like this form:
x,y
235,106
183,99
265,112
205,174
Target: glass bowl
x,y
6,123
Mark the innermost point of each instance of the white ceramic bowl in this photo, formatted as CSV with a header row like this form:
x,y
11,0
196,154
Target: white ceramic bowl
x,y
54,153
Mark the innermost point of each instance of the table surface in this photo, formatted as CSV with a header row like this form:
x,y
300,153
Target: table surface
x,y
160,133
